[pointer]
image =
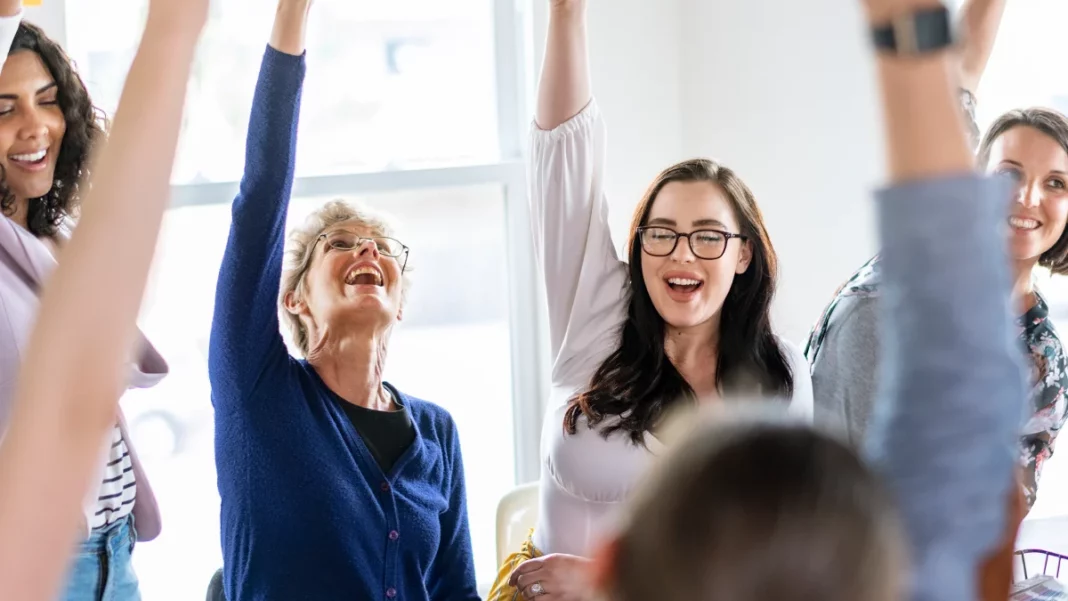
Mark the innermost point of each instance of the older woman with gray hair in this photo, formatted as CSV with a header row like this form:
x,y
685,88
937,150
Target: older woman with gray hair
x,y
333,482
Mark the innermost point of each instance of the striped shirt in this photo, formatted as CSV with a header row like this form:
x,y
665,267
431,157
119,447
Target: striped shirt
x,y
119,487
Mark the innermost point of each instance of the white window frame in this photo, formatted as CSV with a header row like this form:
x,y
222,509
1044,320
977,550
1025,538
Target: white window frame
x,y
526,314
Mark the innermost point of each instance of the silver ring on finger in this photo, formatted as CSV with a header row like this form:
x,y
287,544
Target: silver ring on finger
x,y
537,589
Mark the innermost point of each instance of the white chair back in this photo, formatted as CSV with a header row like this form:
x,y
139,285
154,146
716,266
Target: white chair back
x,y
517,513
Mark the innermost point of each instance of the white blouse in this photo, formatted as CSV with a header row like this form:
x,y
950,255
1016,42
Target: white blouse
x,y
585,478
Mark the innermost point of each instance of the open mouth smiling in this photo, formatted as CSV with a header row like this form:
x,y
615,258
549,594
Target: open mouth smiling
x,y
364,275
684,284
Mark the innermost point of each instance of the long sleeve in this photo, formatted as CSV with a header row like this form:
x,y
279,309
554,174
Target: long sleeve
x,y
454,567
244,333
585,282
952,391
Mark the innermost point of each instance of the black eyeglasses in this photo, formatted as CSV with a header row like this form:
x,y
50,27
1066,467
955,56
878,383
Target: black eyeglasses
x,y
710,245
345,240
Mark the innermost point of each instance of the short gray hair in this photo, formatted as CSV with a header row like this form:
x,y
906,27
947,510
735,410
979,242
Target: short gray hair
x,y
300,249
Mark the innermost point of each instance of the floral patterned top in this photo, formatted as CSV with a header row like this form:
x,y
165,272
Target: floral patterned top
x,y
1049,372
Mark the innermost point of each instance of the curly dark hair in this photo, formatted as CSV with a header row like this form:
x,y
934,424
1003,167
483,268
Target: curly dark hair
x,y
86,126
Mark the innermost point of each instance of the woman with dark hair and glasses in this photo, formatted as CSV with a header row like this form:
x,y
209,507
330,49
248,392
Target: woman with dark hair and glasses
x,y
334,484
685,320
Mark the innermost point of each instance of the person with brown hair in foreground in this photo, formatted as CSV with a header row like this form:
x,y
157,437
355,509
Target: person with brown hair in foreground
x,y
75,367
751,506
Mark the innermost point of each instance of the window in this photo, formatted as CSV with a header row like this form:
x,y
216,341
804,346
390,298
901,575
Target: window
x,y
412,106
403,84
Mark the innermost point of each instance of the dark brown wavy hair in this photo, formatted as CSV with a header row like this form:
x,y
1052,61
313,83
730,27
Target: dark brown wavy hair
x,y
86,126
638,381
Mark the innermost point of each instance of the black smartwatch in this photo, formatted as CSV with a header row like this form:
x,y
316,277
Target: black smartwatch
x,y
920,32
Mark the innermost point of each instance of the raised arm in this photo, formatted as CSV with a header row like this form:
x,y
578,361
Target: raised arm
x,y
244,334
565,74
947,335
978,23
75,365
584,279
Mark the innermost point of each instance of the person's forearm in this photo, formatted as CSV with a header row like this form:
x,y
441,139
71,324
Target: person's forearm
x,y
565,76
925,131
978,25
290,26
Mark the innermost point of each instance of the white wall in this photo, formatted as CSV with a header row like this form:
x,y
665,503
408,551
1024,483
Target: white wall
x,y
781,92
49,16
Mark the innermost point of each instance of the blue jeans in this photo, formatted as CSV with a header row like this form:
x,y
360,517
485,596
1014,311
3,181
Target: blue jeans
x,y
101,569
